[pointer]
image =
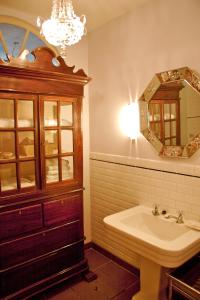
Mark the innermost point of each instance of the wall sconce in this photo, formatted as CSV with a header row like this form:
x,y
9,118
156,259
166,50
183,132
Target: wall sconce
x,y
129,120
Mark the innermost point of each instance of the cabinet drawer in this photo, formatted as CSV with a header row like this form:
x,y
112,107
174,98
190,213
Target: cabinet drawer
x,y
18,278
62,209
23,249
21,220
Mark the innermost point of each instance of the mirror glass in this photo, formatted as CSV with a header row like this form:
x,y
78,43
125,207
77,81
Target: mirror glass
x,y
170,112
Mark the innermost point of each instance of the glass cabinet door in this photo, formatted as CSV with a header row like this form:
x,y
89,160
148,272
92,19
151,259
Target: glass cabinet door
x,y
17,142
58,138
29,160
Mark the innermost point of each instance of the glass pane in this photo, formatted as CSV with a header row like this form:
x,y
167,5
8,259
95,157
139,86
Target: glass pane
x,y
55,62
150,112
173,111
8,177
3,54
25,113
167,129
52,174
50,113
166,111
157,130
66,141
30,57
167,142
6,113
173,128
51,142
13,36
7,145
66,114
174,142
33,42
26,143
67,167
154,112
27,172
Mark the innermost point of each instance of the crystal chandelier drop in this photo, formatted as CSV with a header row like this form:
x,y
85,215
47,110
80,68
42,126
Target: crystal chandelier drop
x,y
64,28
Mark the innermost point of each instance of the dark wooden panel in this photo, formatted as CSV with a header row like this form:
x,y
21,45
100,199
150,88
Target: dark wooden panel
x,y
42,86
23,249
20,220
62,210
19,278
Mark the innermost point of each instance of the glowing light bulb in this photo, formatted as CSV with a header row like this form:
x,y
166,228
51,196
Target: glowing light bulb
x,y
129,120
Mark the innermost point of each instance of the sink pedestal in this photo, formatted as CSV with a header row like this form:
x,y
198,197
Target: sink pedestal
x,y
153,281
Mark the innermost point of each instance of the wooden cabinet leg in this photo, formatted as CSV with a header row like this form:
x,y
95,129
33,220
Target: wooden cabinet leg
x,y
89,276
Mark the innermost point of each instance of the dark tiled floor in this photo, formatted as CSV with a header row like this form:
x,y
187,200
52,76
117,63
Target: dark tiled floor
x,y
113,282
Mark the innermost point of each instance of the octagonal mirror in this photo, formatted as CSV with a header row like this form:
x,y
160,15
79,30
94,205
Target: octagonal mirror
x,y
170,112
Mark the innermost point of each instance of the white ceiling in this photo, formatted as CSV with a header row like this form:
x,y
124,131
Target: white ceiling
x,y
98,12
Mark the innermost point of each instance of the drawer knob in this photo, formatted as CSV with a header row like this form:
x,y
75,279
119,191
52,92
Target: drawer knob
x,y
20,212
43,234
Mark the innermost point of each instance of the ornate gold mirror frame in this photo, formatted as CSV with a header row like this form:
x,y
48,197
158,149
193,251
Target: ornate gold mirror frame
x,y
163,89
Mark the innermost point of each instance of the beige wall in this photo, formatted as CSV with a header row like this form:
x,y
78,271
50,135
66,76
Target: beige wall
x,y
123,57
77,55
125,54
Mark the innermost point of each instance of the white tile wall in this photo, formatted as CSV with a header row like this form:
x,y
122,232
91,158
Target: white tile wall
x,y
119,182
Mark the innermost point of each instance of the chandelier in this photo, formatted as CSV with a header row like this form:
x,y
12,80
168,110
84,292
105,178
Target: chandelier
x,y
64,28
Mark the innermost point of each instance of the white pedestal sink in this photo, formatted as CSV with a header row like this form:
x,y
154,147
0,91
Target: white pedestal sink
x,y
161,243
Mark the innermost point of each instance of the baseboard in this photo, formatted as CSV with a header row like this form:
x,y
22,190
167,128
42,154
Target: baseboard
x,y
116,259
88,245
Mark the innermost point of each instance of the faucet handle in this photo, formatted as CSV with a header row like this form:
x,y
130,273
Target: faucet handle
x,y
155,210
180,217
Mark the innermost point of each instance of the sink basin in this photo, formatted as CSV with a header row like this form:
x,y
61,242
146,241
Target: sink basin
x,y
155,226
161,240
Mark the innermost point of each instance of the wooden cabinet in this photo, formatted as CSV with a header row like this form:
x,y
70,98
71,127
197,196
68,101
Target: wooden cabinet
x,y
41,180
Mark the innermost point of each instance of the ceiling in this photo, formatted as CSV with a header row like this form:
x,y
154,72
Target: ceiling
x,y
98,12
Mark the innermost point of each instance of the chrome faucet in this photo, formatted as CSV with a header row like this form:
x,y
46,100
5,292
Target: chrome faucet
x,y
155,210
179,218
